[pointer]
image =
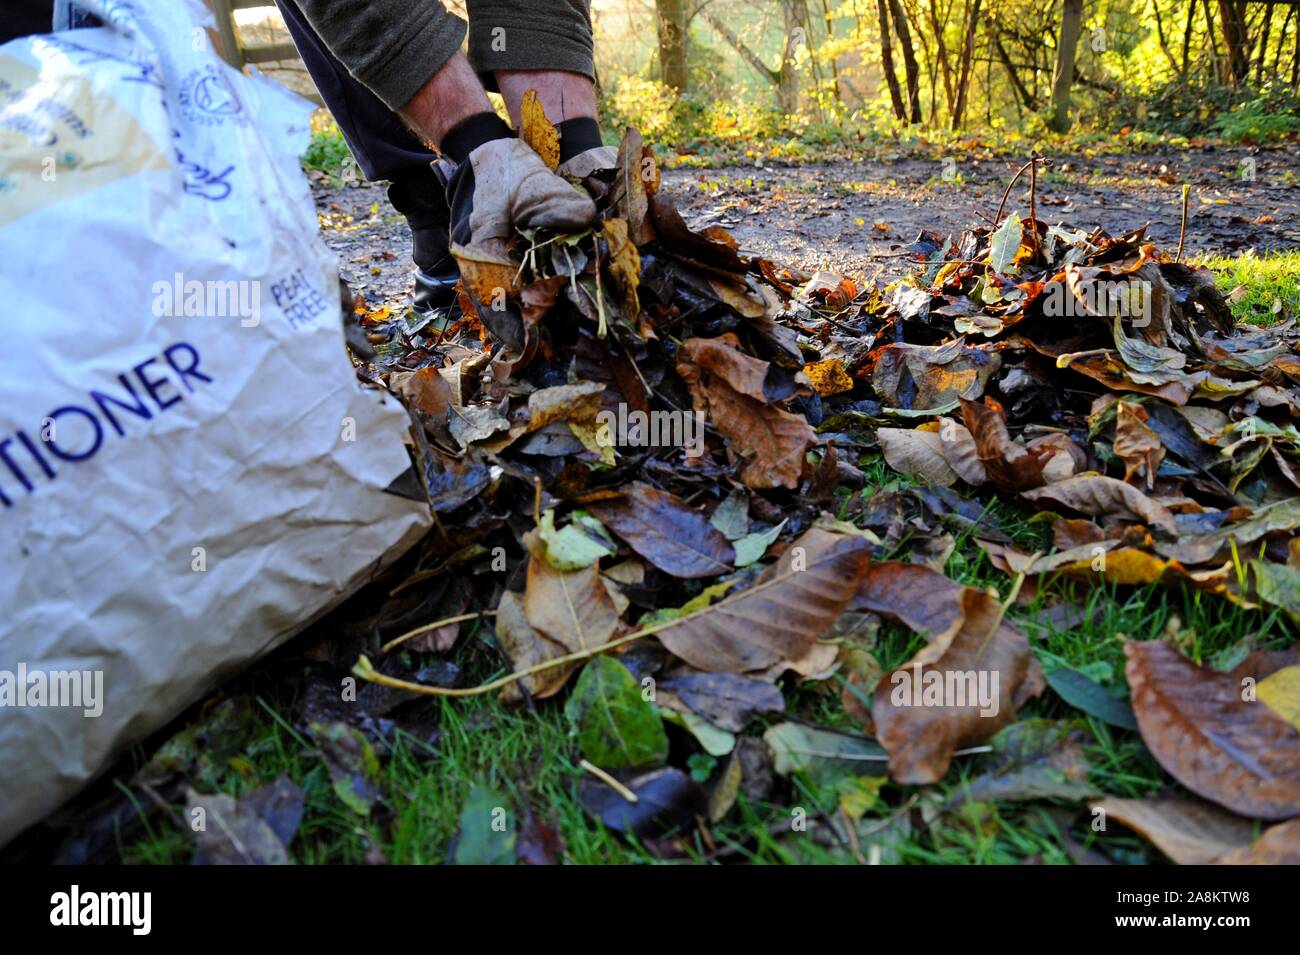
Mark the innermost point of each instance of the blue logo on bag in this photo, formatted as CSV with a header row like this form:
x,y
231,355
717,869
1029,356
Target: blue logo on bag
x,y
207,97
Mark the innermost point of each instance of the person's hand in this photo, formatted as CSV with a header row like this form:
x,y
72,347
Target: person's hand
x,y
504,186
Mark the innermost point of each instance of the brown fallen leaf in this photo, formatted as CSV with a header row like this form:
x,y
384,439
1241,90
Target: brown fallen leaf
x,y
957,691
1188,831
723,358
1137,445
920,377
916,596
916,452
1105,497
1237,752
1010,466
1070,532
425,389
727,389
527,647
661,528
577,402
572,608
961,452
780,617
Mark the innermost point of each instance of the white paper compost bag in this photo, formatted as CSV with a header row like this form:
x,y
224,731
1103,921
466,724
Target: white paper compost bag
x,y
188,470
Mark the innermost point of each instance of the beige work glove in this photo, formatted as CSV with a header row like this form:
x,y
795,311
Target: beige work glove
x,y
503,186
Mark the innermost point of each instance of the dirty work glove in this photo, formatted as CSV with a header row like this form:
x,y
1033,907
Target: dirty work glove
x,y
502,186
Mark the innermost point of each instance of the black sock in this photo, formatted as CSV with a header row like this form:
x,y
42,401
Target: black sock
x,y
577,136
471,133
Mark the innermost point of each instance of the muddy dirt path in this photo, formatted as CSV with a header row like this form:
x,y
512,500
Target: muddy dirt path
x,y
852,217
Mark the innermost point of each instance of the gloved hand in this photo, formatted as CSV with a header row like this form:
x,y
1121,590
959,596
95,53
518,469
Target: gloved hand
x,y
504,186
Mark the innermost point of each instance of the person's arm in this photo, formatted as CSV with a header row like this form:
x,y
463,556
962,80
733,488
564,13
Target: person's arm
x,y
394,47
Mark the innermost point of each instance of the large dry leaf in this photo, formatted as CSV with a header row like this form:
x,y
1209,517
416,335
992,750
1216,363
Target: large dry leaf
x,y
723,358
961,452
916,452
1137,445
574,609
577,402
665,531
624,265
1010,466
779,618
1103,496
771,441
538,131
1237,752
527,647
914,595
1188,831
983,670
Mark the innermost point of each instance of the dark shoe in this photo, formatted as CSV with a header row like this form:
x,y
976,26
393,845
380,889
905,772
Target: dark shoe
x,y
420,195
436,292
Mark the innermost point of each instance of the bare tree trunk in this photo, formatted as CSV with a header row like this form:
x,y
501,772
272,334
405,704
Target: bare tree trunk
x,y
1187,34
910,68
967,55
1295,59
887,63
672,23
1235,39
788,77
942,49
1263,41
1216,61
1281,40
1066,47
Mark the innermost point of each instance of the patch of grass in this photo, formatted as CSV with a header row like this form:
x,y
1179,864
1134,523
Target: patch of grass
x,y
1261,289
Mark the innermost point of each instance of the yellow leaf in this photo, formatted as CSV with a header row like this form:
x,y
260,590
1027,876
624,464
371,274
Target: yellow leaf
x,y
538,131
624,264
1280,692
828,377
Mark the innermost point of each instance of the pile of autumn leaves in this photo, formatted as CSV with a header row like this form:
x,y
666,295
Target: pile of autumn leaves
x,y
681,588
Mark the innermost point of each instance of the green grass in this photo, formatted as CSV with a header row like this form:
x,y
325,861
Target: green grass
x,y
1269,284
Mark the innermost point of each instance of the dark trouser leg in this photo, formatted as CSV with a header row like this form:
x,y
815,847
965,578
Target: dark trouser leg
x,y
25,17
385,149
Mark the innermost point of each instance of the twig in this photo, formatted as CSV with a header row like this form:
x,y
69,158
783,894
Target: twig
x,y
609,781
436,625
1182,229
1003,204
365,670
1033,214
